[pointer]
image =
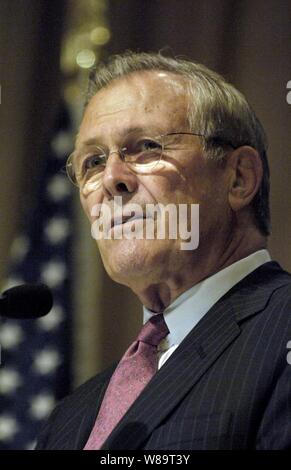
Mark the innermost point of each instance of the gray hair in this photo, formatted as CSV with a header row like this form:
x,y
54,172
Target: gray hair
x,y
217,110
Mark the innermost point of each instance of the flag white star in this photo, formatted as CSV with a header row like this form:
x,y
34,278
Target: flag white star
x,y
8,427
46,361
57,230
41,406
51,321
11,335
19,248
59,188
10,379
53,273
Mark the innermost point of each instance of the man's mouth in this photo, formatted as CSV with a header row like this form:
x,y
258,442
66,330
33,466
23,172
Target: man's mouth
x,y
124,219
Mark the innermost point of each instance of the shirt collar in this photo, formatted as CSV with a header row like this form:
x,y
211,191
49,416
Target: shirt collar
x,y
188,309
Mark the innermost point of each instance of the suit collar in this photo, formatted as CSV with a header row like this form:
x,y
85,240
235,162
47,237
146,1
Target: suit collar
x,y
251,295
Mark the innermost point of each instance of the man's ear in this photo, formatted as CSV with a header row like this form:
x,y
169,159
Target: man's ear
x,y
246,173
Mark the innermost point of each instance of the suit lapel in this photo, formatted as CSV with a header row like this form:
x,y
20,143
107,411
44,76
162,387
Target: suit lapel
x,y
78,420
199,350
87,419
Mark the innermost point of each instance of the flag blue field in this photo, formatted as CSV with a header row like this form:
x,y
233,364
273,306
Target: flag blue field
x,y
35,369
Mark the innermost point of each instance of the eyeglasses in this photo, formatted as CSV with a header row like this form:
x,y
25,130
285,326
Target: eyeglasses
x,y
141,155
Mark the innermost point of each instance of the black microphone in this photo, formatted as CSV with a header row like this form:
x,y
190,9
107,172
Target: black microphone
x,y
26,301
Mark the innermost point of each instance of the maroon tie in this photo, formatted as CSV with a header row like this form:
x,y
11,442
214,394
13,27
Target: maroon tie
x,y
134,371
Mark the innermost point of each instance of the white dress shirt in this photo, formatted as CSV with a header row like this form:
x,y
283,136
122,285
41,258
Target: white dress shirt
x,y
188,309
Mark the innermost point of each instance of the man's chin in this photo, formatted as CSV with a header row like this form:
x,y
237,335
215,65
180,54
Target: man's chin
x,y
128,260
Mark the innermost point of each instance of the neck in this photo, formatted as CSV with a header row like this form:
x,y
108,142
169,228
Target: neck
x,y
158,294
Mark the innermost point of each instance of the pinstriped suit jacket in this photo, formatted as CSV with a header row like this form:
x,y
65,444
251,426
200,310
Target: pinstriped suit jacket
x,y
227,386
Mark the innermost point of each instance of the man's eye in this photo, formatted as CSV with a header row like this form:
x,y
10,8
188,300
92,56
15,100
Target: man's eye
x,y
149,146
93,161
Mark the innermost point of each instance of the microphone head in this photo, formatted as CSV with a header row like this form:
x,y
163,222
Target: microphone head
x,y
26,301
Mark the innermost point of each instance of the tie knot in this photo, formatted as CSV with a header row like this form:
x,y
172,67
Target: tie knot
x,y
154,330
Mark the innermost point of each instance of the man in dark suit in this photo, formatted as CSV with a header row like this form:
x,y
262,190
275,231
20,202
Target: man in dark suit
x,y
162,131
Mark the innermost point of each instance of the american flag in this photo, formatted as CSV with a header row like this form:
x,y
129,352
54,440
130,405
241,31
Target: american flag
x,y
35,354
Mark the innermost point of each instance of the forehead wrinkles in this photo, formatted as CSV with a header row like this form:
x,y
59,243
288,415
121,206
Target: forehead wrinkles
x,y
141,93
109,102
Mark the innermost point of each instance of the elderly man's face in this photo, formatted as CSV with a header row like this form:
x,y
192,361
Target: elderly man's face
x,y
152,103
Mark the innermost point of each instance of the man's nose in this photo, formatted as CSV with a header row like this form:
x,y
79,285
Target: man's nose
x,y
117,177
